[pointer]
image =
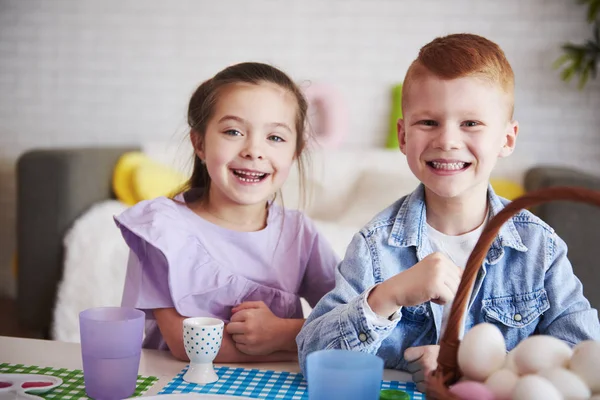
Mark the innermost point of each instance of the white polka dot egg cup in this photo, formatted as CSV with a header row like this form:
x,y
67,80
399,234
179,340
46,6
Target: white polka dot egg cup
x,y
202,340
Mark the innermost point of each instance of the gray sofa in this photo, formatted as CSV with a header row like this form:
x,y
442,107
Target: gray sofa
x,y
66,182
54,187
576,223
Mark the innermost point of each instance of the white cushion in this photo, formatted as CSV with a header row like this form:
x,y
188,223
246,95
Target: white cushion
x,y
373,192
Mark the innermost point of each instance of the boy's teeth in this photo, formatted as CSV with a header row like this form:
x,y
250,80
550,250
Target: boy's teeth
x,y
448,166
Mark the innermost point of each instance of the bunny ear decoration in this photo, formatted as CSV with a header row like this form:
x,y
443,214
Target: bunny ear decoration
x,y
448,371
327,124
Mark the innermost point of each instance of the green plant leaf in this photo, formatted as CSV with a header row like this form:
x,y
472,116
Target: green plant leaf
x,y
561,60
593,68
594,7
583,78
578,59
567,74
581,60
573,49
590,47
590,66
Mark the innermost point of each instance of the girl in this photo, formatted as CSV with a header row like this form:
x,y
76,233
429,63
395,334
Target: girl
x,y
222,248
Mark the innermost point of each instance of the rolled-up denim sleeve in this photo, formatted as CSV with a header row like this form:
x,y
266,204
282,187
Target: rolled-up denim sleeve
x,y
339,320
570,316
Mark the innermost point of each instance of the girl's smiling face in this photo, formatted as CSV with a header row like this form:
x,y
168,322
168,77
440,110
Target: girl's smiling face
x,y
250,142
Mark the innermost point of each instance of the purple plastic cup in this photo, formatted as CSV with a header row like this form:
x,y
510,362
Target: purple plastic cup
x,y
111,345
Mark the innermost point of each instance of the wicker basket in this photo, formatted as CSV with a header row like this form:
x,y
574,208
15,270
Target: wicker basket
x,y
448,372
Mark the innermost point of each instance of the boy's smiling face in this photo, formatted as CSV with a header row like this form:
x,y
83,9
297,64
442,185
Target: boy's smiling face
x,y
454,131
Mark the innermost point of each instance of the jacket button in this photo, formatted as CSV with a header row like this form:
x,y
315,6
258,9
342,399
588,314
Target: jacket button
x,y
518,317
362,337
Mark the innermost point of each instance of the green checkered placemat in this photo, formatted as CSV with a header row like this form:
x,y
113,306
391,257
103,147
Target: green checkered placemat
x,y
72,387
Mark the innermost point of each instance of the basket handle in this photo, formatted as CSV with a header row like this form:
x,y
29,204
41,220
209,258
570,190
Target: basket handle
x,y
447,369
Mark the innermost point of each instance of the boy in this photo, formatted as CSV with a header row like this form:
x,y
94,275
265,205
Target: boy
x,y
401,271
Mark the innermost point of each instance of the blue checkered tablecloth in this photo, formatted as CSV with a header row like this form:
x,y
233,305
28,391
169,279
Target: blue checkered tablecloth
x,y
265,384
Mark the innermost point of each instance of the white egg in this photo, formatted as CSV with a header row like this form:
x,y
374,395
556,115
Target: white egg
x,y
533,387
502,383
481,352
541,352
570,385
585,362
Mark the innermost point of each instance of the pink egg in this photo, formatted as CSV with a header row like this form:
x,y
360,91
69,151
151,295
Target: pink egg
x,y
471,390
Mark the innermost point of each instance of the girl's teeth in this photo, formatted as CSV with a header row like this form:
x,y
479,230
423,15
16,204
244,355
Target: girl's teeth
x,y
247,173
247,176
448,166
248,180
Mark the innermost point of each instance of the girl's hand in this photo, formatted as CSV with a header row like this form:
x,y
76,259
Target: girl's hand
x,y
256,330
422,361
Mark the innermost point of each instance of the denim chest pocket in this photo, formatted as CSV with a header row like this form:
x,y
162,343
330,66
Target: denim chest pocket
x,y
416,314
516,311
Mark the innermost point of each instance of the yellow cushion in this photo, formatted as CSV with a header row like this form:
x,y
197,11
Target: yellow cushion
x,y
122,185
507,189
151,180
137,177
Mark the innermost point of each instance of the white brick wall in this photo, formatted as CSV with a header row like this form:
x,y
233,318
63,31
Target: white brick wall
x,y
111,72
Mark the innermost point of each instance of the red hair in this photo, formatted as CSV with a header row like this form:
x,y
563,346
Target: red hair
x,y
463,55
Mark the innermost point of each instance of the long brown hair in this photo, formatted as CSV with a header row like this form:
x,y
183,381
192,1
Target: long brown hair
x,y
202,105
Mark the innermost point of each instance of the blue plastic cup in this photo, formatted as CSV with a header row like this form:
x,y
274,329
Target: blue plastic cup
x,y
343,375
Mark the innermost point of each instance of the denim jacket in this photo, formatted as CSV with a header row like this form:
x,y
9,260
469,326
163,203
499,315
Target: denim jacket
x,y
525,286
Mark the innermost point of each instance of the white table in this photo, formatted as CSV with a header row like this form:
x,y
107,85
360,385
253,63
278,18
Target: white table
x,y
48,353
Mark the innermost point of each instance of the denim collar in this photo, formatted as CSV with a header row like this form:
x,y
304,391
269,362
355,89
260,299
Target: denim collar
x,y
410,227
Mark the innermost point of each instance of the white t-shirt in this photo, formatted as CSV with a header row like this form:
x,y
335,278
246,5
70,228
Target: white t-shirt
x,y
457,249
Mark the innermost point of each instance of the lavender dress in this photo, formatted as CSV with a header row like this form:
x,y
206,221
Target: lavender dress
x,y
180,260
